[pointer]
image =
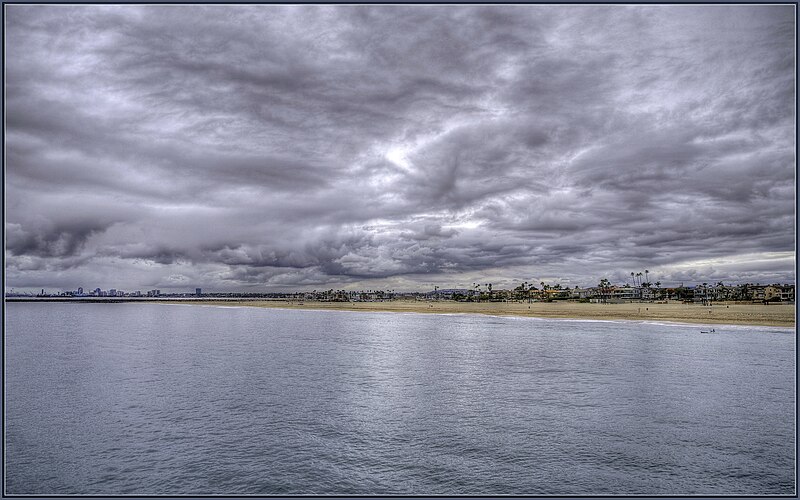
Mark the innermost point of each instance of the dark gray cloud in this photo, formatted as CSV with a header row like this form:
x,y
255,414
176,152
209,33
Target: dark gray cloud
x,y
284,147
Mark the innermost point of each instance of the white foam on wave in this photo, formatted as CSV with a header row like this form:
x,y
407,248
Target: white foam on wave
x,y
670,323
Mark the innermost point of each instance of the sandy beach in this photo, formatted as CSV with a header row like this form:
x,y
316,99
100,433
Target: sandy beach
x,y
720,313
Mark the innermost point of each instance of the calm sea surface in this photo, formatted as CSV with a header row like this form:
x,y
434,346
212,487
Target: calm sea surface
x,y
177,399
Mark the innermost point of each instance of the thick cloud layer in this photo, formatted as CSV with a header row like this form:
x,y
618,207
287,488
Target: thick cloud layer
x,y
295,147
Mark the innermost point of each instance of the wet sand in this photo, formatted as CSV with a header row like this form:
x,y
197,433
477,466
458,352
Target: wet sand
x,y
719,313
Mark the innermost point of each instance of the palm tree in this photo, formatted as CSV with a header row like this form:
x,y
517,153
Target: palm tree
x,y
604,286
633,278
646,272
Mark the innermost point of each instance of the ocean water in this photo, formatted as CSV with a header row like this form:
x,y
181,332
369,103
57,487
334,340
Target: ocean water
x,y
154,399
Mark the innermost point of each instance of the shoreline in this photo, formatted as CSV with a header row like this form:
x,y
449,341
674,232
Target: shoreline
x,y
782,315
720,313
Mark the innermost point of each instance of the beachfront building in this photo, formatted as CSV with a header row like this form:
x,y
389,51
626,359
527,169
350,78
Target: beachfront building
x,y
702,294
626,293
758,292
722,292
680,293
551,293
772,292
581,293
783,293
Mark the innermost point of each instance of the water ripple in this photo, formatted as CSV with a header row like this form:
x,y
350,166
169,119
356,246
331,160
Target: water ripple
x,y
145,399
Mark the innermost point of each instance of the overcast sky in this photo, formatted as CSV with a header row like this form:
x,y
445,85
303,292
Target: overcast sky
x,y
262,148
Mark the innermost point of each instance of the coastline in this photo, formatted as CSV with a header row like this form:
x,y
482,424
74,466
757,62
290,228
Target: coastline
x,y
782,315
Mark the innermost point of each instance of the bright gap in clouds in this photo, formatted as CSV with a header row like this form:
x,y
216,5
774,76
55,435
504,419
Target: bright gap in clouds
x,y
398,156
751,260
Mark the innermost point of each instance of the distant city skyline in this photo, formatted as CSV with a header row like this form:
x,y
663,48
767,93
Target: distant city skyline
x,y
261,148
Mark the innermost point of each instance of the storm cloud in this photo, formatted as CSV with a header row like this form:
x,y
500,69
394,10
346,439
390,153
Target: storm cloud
x,y
276,147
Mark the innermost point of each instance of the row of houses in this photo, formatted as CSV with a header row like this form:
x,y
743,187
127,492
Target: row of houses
x,y
770,293
703,293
